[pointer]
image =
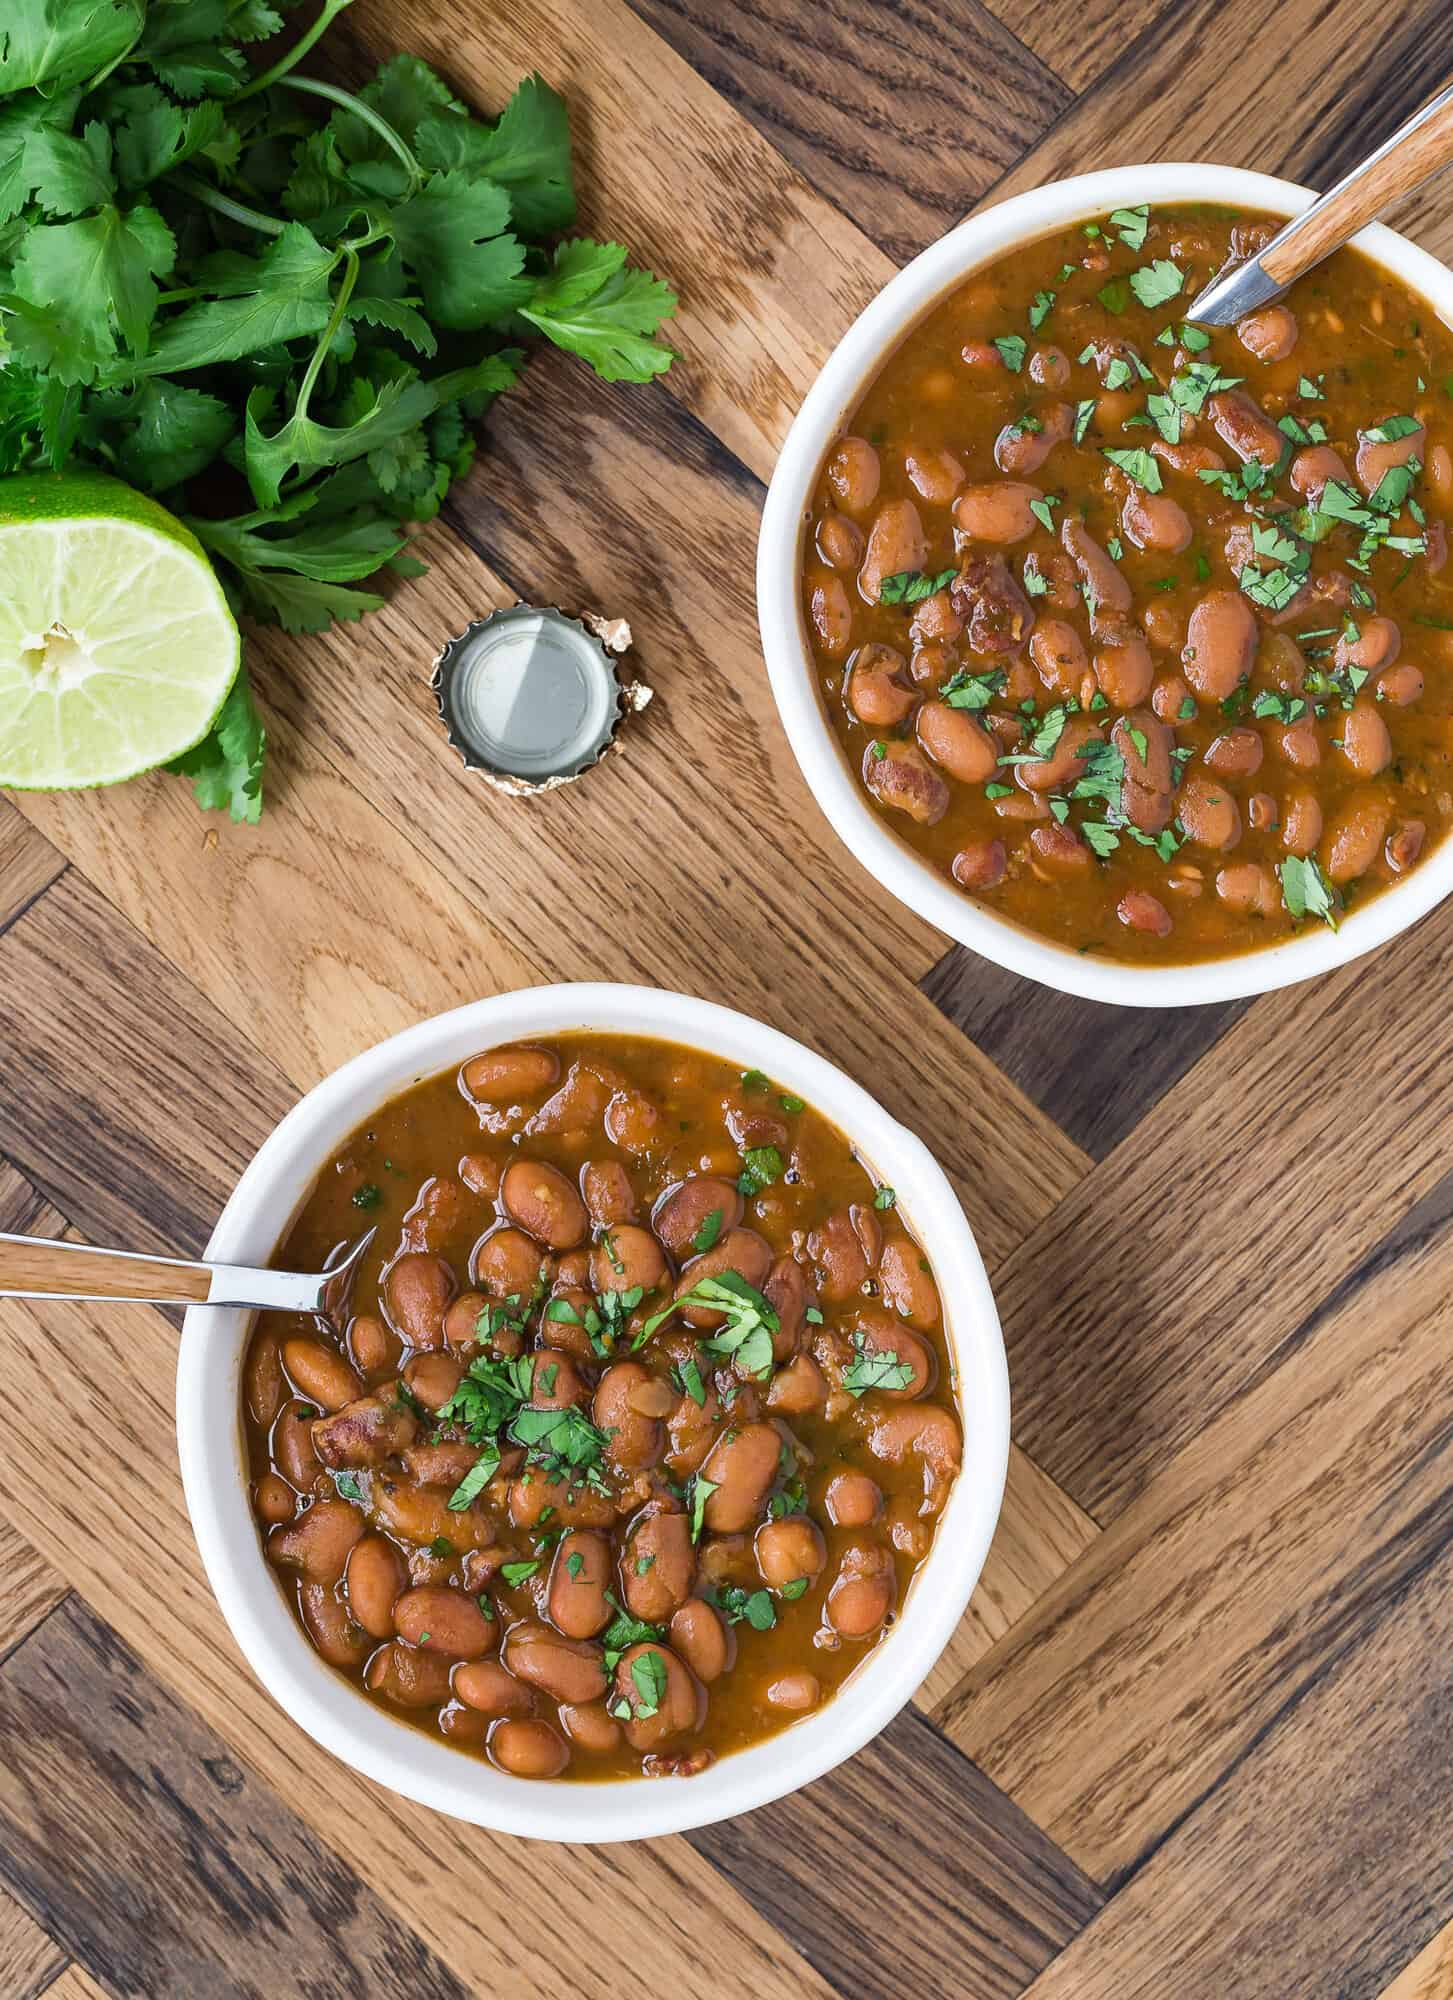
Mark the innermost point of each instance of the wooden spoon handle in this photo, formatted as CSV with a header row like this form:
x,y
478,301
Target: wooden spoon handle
x,y
1413,153
37,1267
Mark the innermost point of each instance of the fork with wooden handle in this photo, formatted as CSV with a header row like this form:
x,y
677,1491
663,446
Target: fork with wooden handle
x,y
1414,153
36,1267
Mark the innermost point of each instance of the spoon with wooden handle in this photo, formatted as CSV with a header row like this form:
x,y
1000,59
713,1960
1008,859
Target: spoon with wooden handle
x,y
1412,155
35,1267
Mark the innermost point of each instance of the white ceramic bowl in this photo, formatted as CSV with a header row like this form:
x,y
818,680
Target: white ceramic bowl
x,y
853,363
214,1473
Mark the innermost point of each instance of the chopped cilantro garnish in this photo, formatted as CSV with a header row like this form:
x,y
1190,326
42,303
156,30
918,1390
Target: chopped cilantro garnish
x,y
872,1368
1012,349
519,1572
911,586
1305,889
367,1196
708,1232
1131,225
1138,465
1155,284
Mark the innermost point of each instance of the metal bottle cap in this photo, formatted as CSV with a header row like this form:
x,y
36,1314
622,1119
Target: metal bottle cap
x,y
530,698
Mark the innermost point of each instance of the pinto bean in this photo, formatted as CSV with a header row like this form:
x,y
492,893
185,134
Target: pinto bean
x,y
853,1500
375,1348
528,1748
508,1076
1354,837
1404,845
439,1620
997,511
1018,449
839,541
575,1506
1105,586
895,543
542,1201
634,1122
703,1640
785,1290
629,1404
990,600
1366,743
831,614
1314,467
1248,888
491,1688
1049,366
317,1545
1145,791
275,1500
1138,910
1155,521
743,1464
320,1373
366,1432
417,1289
790,1549
1242,423
375,1573
1377,457
580,1576
702,1203
421,1514
1400,686
837,1252
565,1669
1236,753
1060,849
863,1590
431,1379
292,1446
1208,812
627,1256
900,776
853,473
263,1386
1270,334
466,1323
1301,822
608,1193
877,1332
332,1628
980,865
676,1705
1169,696
927,1432
1375,643
740,1250
797,1388
1188,457
507,1264
1123,666
1220,644
1064,763
658,1563
407,1677
877,688
906,1284
1298,744
1059,657
441,1462
796,1692
958,742
590,1726
934,475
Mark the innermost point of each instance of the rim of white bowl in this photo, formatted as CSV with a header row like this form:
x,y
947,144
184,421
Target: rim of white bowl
x,y
852,364
214,1476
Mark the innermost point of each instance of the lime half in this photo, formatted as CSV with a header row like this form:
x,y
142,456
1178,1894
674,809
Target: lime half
x,y
116,644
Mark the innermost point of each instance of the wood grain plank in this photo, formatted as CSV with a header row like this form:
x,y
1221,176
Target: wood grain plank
x,y
1430,1975
1322,1861
75,1983
1293,1524
1041,1532
974,1910
769,272
1293,70
899,115
1080,43
1169,1276
28,864
104,1764
1094,1070
29,1589
29,1960
655,1915
135,1106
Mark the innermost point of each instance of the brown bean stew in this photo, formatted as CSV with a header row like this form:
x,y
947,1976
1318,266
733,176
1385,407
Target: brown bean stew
x,y
643,1423
1141,632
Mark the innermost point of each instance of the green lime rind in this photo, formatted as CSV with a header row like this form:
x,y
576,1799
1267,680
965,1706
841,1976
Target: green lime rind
x,y
117,645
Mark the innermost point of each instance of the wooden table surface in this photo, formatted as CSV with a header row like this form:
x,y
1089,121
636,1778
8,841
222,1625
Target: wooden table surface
x,y
1193,1737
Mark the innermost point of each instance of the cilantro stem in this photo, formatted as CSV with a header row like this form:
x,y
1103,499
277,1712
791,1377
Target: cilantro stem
x,y
356,107
268,77
250,218
325,338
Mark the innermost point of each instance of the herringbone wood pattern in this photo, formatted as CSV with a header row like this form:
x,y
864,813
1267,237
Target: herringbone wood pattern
x,y
1192,1737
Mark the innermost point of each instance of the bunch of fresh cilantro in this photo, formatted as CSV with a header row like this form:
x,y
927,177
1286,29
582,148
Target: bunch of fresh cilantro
x,y
278,305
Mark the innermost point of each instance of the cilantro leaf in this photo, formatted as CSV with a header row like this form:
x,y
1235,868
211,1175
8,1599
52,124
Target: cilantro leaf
x,y
597,306
1305,889
527,153
164,432
1156,283
277,297
70,175
452,233
911,586
226,766
97,276
53,44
